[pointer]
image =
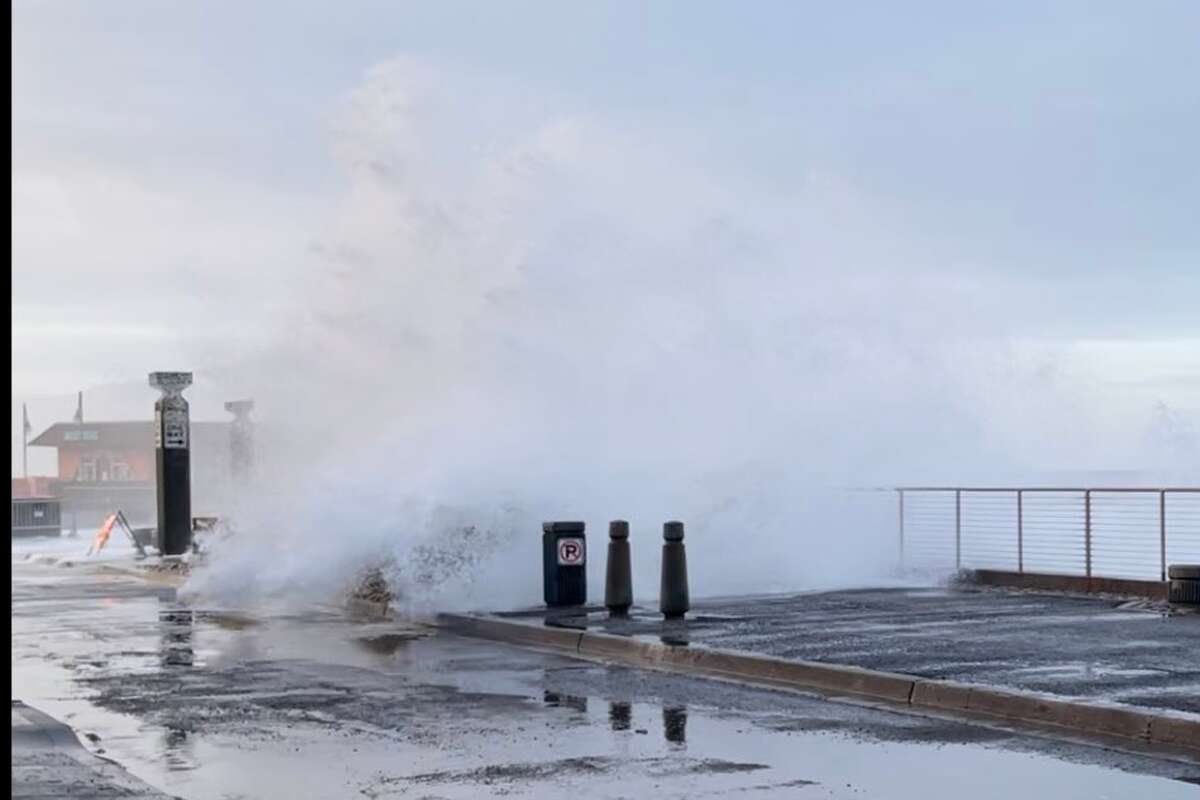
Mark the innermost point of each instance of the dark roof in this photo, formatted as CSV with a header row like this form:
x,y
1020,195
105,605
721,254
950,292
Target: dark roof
x,y
132,435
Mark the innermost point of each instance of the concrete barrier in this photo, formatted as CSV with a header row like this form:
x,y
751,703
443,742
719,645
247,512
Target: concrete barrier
x,y
50,761
1008,704
622,648
1018,706
826,678
513,631
1127,723
1176,731
1154,590
173,580
941,695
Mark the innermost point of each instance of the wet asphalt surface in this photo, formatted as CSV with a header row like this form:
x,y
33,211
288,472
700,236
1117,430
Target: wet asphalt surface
x,y
49,761
209,703
1086,647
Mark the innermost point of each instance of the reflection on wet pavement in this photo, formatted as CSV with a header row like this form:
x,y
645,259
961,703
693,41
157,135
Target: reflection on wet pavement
x,y
570,701
176,646
177,750
620,716
311,705
675,725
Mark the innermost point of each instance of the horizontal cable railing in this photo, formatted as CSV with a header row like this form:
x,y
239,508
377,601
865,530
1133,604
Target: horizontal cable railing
x,y
1117,532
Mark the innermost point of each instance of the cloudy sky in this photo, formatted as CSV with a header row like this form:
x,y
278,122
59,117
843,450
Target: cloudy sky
x,y
185,175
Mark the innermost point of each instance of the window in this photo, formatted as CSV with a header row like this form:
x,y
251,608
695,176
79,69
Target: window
x,y
120,471
86,472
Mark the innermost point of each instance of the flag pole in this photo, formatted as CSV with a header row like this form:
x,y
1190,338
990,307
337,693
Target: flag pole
x,y
24,442
75,479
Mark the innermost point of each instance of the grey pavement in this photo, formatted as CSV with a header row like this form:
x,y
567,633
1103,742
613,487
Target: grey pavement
x,y
1105,649
205,703
48,761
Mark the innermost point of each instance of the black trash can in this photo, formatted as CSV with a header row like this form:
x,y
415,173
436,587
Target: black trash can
x,y
564,564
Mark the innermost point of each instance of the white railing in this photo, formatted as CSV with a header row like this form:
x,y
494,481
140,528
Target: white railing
x,y
1117,532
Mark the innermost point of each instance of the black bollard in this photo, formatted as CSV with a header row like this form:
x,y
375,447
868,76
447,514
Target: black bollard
x,y
673,591
618,580
172,436
564,564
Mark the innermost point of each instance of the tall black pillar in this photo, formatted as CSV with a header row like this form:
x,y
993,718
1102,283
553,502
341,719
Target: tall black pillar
x,y
172,448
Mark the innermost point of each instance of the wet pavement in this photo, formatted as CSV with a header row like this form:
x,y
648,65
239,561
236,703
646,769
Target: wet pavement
x,y
48,761
217,703
1106,649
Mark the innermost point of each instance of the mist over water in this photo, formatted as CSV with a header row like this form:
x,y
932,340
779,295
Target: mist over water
x,y
525,311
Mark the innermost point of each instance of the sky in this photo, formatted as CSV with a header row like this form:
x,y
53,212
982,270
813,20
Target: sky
x,y
191,179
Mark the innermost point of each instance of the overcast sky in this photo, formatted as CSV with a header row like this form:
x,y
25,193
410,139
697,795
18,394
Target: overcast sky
x,y
176,165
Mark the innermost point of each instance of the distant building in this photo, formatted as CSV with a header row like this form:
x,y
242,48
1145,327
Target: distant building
x,y
103,466
33,486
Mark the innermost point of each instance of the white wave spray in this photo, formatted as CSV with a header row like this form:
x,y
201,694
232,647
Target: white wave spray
x,y
526,311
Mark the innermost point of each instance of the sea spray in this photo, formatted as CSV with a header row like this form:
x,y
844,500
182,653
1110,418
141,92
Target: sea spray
x,y
527,310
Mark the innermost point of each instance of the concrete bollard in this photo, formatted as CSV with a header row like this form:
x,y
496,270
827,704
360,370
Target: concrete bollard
x,y
673,591
618,580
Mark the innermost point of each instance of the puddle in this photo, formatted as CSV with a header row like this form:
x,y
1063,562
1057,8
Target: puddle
x,y
307,705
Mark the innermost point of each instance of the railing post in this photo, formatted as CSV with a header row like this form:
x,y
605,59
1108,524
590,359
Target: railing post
x,y
1162,533
1087,532
901,493
958,529
1020,534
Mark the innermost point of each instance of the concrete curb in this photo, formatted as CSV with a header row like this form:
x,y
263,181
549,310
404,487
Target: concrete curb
x,y
171,579
1176,731
561,639
1154,590
33,729
49,760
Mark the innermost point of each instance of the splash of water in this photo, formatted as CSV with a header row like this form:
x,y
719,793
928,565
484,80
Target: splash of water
x,y
527,312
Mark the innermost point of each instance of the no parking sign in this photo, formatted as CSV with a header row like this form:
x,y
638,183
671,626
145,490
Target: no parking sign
x,y
570,552
564,551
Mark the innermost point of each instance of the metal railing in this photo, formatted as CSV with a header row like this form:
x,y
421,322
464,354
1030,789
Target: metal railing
x,y
1116,532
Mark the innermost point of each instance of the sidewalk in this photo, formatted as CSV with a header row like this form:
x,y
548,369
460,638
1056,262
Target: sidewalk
x,y
1072,647
48,761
